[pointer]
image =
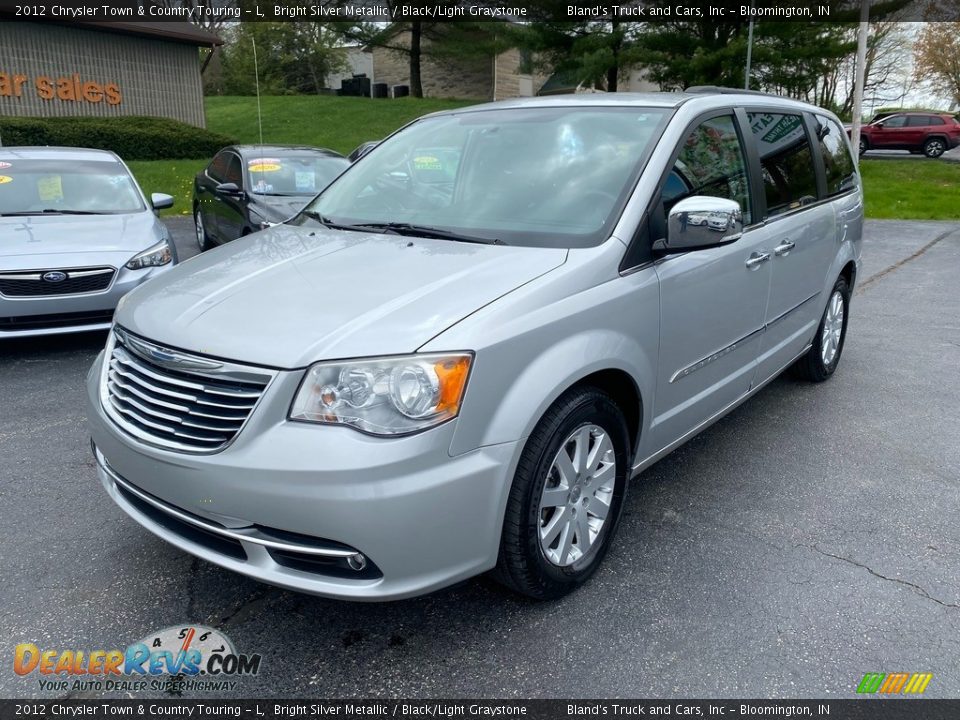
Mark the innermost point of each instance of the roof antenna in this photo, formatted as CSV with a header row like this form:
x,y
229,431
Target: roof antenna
x,y
256,78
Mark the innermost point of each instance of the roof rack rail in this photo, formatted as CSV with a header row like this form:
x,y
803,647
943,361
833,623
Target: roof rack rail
x,y
718,90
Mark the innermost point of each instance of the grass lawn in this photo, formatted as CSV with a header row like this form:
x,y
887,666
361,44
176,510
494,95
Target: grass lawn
x,y
338,123
911,189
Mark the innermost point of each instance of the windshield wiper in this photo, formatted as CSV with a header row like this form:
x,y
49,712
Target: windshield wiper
x,y
49,211
327,222
430,232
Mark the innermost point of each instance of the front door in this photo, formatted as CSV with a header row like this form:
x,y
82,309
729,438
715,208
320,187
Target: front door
x,y
712,301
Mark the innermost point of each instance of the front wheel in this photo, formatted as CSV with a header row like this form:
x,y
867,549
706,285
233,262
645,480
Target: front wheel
x,y
203,240
863,145
934,148
822,358
566,496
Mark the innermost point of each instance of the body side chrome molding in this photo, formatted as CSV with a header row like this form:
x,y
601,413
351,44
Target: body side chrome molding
x,y
703,362
642,465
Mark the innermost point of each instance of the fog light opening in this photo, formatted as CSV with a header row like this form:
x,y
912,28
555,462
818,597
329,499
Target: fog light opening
x,y
357,562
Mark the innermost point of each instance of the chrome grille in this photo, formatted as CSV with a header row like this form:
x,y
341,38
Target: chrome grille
x,y
75,281
181,409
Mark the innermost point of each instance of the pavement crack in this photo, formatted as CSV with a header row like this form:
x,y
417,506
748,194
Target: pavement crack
x,y
917,588
255,601
863,286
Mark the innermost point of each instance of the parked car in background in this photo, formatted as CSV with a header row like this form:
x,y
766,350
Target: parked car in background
x,y
919,132
456,357
76,234
247,188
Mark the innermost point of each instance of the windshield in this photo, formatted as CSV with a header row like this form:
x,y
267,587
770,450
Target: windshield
x,y
96,187
293,174
548,177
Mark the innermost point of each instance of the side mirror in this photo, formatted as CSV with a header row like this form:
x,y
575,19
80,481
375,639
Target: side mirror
x,y
161,201
362,149
700,222
229,188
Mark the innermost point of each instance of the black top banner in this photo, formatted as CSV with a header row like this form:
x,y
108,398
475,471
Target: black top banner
x,y
204,11
872,709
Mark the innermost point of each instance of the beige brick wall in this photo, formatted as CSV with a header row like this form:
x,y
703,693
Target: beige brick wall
x,y
441,77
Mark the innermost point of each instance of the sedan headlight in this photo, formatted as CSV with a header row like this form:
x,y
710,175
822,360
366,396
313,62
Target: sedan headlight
x,y
384,396
153,256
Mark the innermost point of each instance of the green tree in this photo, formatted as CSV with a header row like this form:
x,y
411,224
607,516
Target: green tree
x,y
937,58
292,57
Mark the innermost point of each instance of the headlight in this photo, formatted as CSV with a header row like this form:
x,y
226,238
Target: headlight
x,y
154,256
384,396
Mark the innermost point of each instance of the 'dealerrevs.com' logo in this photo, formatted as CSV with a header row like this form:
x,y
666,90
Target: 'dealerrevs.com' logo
x,y
174,659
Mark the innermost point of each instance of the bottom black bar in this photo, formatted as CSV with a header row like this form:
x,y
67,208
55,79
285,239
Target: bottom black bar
x,y
874,708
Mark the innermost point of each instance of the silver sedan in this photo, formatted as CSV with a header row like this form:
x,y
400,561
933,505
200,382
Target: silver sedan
x,y
76,234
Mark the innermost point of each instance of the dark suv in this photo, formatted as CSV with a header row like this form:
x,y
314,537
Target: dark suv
x,y
930,133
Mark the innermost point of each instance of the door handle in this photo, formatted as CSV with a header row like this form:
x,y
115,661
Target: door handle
x,y
783,248
757,259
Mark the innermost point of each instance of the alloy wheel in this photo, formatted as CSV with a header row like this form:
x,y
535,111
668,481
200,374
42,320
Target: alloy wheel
x,y
832,329
934,148
198,223
576,497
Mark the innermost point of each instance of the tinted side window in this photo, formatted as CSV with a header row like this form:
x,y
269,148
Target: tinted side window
x,y
836,156
918,121
786,160
217,169
711,162
933,120
897,121
234,171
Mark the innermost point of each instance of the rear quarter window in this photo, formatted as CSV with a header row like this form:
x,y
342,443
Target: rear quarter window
x,y
837,161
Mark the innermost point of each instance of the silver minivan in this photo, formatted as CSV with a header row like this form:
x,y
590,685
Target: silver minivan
x,y
457,356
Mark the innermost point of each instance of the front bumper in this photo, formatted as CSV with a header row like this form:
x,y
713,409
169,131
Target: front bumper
x,y
55,315
420,518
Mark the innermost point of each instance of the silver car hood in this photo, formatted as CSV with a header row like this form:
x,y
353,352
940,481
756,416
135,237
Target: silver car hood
x,y
62,241
289,296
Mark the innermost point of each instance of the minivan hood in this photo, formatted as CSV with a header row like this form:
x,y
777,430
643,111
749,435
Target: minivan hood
x,y
27,242
289,296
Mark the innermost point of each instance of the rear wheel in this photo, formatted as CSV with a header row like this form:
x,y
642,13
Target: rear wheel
x,y
566,496
203,240
822,358
934,147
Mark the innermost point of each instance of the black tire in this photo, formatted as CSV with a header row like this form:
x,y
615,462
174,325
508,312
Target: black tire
x,y
864,145
522,564
811,366
203,239
934,147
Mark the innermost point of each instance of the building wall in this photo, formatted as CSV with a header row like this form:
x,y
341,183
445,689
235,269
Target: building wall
x,y
357,61
511,82
441,77
154,77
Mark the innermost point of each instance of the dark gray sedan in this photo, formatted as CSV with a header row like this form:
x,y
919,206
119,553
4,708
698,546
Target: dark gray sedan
x,y
76,234
246,188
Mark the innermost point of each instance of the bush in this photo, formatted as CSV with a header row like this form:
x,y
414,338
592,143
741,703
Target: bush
x,y
132,138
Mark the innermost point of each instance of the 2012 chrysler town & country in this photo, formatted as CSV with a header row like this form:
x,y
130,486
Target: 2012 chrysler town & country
x,y
457,356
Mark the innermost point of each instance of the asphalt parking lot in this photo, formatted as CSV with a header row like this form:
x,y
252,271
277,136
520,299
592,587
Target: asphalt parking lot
x,y
809,537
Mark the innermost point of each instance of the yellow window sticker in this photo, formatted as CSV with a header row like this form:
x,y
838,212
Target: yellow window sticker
x,y
4,179
264,165
50,188
427,162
